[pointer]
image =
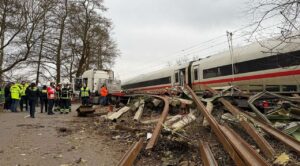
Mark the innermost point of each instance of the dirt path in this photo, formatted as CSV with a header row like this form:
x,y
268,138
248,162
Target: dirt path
x,y
53,140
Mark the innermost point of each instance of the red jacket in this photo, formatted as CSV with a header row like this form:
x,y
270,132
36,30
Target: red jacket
x,y
50,93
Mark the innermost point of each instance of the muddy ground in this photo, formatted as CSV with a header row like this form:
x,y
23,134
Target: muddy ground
x,y
67,140
54,140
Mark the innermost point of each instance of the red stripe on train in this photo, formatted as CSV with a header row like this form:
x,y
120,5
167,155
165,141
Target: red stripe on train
x,y
251,77
153,88
242,78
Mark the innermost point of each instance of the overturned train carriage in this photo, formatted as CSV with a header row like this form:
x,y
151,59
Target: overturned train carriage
x,y
254,67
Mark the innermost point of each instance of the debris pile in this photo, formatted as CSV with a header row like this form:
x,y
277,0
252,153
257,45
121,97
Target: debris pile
x,y
219,127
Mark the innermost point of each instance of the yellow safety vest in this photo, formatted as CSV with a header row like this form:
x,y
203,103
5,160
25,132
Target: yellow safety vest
x,y
15,92
23,89
84,92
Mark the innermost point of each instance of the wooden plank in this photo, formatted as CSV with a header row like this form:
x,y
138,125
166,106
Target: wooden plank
x,y
118,114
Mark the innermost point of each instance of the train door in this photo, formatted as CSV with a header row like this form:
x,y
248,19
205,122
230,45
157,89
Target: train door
x,y
182,77
176,78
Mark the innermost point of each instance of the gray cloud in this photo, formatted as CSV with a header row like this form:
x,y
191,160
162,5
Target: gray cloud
x,y
150,31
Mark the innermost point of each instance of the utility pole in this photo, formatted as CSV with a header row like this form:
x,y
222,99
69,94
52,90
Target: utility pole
x,y
229,38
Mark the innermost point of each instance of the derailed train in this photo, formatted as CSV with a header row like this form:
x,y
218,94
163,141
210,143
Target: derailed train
x,y
252,68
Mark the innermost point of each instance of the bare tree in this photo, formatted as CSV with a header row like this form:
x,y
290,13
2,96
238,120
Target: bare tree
x,y
57,38
282,15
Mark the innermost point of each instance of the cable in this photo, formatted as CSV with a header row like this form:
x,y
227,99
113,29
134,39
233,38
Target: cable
x,y
189,50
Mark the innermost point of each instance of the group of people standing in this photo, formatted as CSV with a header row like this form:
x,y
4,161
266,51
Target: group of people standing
x,y
85,95
17,94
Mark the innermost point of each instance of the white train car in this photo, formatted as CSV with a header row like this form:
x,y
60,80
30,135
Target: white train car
x,y
255,68
252,68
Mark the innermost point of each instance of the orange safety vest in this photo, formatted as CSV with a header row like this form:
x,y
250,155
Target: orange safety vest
x,y
103,91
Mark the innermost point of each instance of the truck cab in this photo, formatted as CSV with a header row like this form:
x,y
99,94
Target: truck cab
x,y
94,79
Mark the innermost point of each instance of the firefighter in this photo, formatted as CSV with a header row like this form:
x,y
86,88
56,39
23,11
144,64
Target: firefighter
x,y
51,97
32,96
15,92
84,94
7,94
43,98
57,98
24,99
103,93
65,99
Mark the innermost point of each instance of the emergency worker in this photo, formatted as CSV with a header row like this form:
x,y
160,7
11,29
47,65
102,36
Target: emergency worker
x,y
51,97
24,99
84,94
7,95
32,96
43,98
15,92
103,93
66,93
58,97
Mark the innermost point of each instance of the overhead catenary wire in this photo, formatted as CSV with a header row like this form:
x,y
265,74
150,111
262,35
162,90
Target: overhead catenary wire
x,y
195,49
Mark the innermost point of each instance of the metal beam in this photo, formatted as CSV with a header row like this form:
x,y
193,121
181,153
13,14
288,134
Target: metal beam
x,y
157,130
130,156
215,127
259,139
206,155
249,155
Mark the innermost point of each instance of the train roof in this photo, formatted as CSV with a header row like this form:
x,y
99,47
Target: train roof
x,y
248,52
150,76
244,53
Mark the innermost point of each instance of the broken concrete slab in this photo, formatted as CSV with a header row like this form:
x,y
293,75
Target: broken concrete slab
x,y
119,113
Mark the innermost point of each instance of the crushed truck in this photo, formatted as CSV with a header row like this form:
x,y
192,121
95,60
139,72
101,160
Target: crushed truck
x,y
94,79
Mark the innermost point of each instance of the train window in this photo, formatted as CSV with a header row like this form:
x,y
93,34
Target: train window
x,y
289,88
176,77
255,88
196,73
273,88
265,63
208,73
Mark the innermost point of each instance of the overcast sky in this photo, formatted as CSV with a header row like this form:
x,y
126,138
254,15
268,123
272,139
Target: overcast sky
x,y
154,33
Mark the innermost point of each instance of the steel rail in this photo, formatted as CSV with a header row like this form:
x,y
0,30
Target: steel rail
x,y
250,156
216,128
206,155
259,139
153,140
284,138
130,156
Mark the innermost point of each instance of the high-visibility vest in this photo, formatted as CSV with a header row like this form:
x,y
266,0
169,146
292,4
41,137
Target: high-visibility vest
x,y
23,89
85,92
44,91
33,89
15,92
103,91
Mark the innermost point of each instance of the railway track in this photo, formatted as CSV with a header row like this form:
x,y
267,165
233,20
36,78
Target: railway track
x,y
240,151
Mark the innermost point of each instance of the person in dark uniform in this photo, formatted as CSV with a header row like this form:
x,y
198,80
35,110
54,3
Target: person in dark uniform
x,y
43,98
7,96
66,94
32,96
58,98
